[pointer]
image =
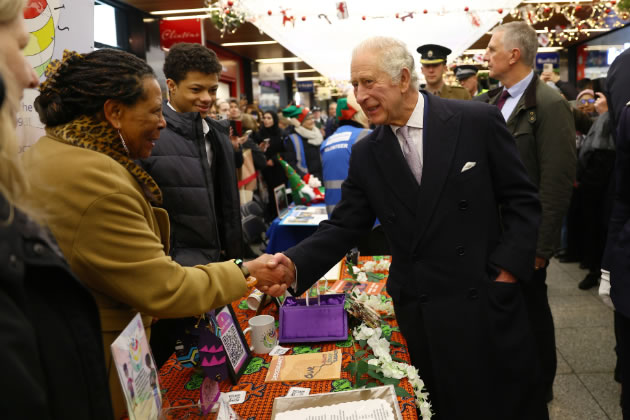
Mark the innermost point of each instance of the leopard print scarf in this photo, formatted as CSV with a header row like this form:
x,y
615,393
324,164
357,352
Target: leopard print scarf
x,y
93,134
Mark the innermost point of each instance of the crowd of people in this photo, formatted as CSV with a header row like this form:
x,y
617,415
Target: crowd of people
x,y
130,203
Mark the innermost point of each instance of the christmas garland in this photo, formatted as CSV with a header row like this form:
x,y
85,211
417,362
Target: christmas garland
x,y
385,368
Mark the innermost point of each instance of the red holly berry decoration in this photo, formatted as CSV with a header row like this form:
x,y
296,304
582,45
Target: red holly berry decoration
x,y
363,17
269,12
230,3
425,11
227,11
608,10
547,9
397,15
466,9
303,18
500,11
578,8
613,2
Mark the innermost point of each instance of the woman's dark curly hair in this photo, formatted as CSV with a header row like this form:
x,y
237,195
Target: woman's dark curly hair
x,y
185,57
83,84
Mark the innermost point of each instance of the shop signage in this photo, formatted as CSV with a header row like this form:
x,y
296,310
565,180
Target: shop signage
x,y
305,86
175,31
273,71
547,57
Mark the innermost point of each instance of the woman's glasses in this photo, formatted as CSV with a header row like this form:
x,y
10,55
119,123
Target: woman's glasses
x,y
587,101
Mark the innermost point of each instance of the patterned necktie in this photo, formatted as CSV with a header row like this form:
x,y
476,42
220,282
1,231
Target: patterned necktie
x,y
502,99
411,153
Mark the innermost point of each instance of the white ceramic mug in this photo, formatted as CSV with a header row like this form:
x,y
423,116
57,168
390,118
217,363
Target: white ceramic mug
x,y
263,333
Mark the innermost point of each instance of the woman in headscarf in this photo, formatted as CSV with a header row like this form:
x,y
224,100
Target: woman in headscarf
x,y
51,355
269,139
102,111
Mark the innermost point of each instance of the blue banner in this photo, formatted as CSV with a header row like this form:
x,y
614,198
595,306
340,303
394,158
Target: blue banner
x,y
305,86
547,57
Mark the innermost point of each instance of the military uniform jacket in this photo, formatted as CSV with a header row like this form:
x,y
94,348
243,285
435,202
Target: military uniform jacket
x,y
447,242
453,92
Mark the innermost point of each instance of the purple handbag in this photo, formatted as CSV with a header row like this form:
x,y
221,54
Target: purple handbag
x,y
324,319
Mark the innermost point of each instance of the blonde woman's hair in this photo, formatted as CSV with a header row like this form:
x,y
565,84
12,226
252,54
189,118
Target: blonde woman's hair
x,y
10,10
12,180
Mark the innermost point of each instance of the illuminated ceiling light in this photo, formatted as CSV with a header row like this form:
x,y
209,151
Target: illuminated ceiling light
x,y
180,11
300,71
306,79
482,51
279,60
186,17
236,44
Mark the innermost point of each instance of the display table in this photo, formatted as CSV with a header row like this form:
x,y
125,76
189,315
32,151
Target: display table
x,y
180,386
282,236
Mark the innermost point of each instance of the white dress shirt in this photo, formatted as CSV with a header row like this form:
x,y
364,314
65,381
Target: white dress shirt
x,y
415,128
516,92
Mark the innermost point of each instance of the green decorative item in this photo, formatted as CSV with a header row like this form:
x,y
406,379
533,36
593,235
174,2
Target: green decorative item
x,y
256,365
195,381
243,305
624,5
296,184
305,349
341,385
345,344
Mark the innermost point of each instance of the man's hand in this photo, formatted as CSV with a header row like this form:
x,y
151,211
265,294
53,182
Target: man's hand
x,y
601,105
505,277
540,263
271,278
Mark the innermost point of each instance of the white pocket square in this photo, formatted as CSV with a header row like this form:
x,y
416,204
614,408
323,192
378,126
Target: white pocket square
x,y
468,165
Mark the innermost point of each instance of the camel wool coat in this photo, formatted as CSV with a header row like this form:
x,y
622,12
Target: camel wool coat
x,y
117,244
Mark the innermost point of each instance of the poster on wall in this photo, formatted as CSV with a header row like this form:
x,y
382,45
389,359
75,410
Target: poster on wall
x,y
53,25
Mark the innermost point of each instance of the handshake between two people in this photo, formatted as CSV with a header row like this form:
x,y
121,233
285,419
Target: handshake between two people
x,y
274,273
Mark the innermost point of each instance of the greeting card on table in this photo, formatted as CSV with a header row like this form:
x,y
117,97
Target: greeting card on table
x,y
305,367
137,372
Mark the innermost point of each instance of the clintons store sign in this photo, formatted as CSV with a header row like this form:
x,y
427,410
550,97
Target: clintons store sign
x,y
176,31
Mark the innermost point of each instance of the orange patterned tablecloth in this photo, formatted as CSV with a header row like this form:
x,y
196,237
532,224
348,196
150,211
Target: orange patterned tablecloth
x,y
180,385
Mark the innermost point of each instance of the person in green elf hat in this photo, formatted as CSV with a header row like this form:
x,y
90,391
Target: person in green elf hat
x,y
302,142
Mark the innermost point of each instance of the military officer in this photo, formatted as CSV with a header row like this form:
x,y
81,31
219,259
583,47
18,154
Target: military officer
x,y
466,75
433,60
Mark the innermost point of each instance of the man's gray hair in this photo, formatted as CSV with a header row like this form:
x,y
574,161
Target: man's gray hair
x,y
522,36
393,56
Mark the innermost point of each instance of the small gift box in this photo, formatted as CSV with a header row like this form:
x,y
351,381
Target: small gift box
x,y
321,319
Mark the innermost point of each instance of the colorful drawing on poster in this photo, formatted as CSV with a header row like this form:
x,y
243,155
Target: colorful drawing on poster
x,y
137,372
40,17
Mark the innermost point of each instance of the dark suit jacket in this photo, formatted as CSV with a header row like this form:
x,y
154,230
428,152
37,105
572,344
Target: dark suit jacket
x,y
448,237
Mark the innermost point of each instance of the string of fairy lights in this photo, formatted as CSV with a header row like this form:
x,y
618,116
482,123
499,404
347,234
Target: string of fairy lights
x,y
580,17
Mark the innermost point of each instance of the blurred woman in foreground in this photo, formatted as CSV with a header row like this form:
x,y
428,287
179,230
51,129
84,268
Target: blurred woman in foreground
x,y
51,355
102,110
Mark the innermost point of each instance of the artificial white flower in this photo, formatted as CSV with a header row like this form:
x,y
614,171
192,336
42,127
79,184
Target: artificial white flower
x,y
369,266
355,269
363,332
392,370
383,265
374,362
362,277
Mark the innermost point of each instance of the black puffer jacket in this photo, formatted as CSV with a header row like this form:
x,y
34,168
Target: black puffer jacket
x,y
203,204
51,352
